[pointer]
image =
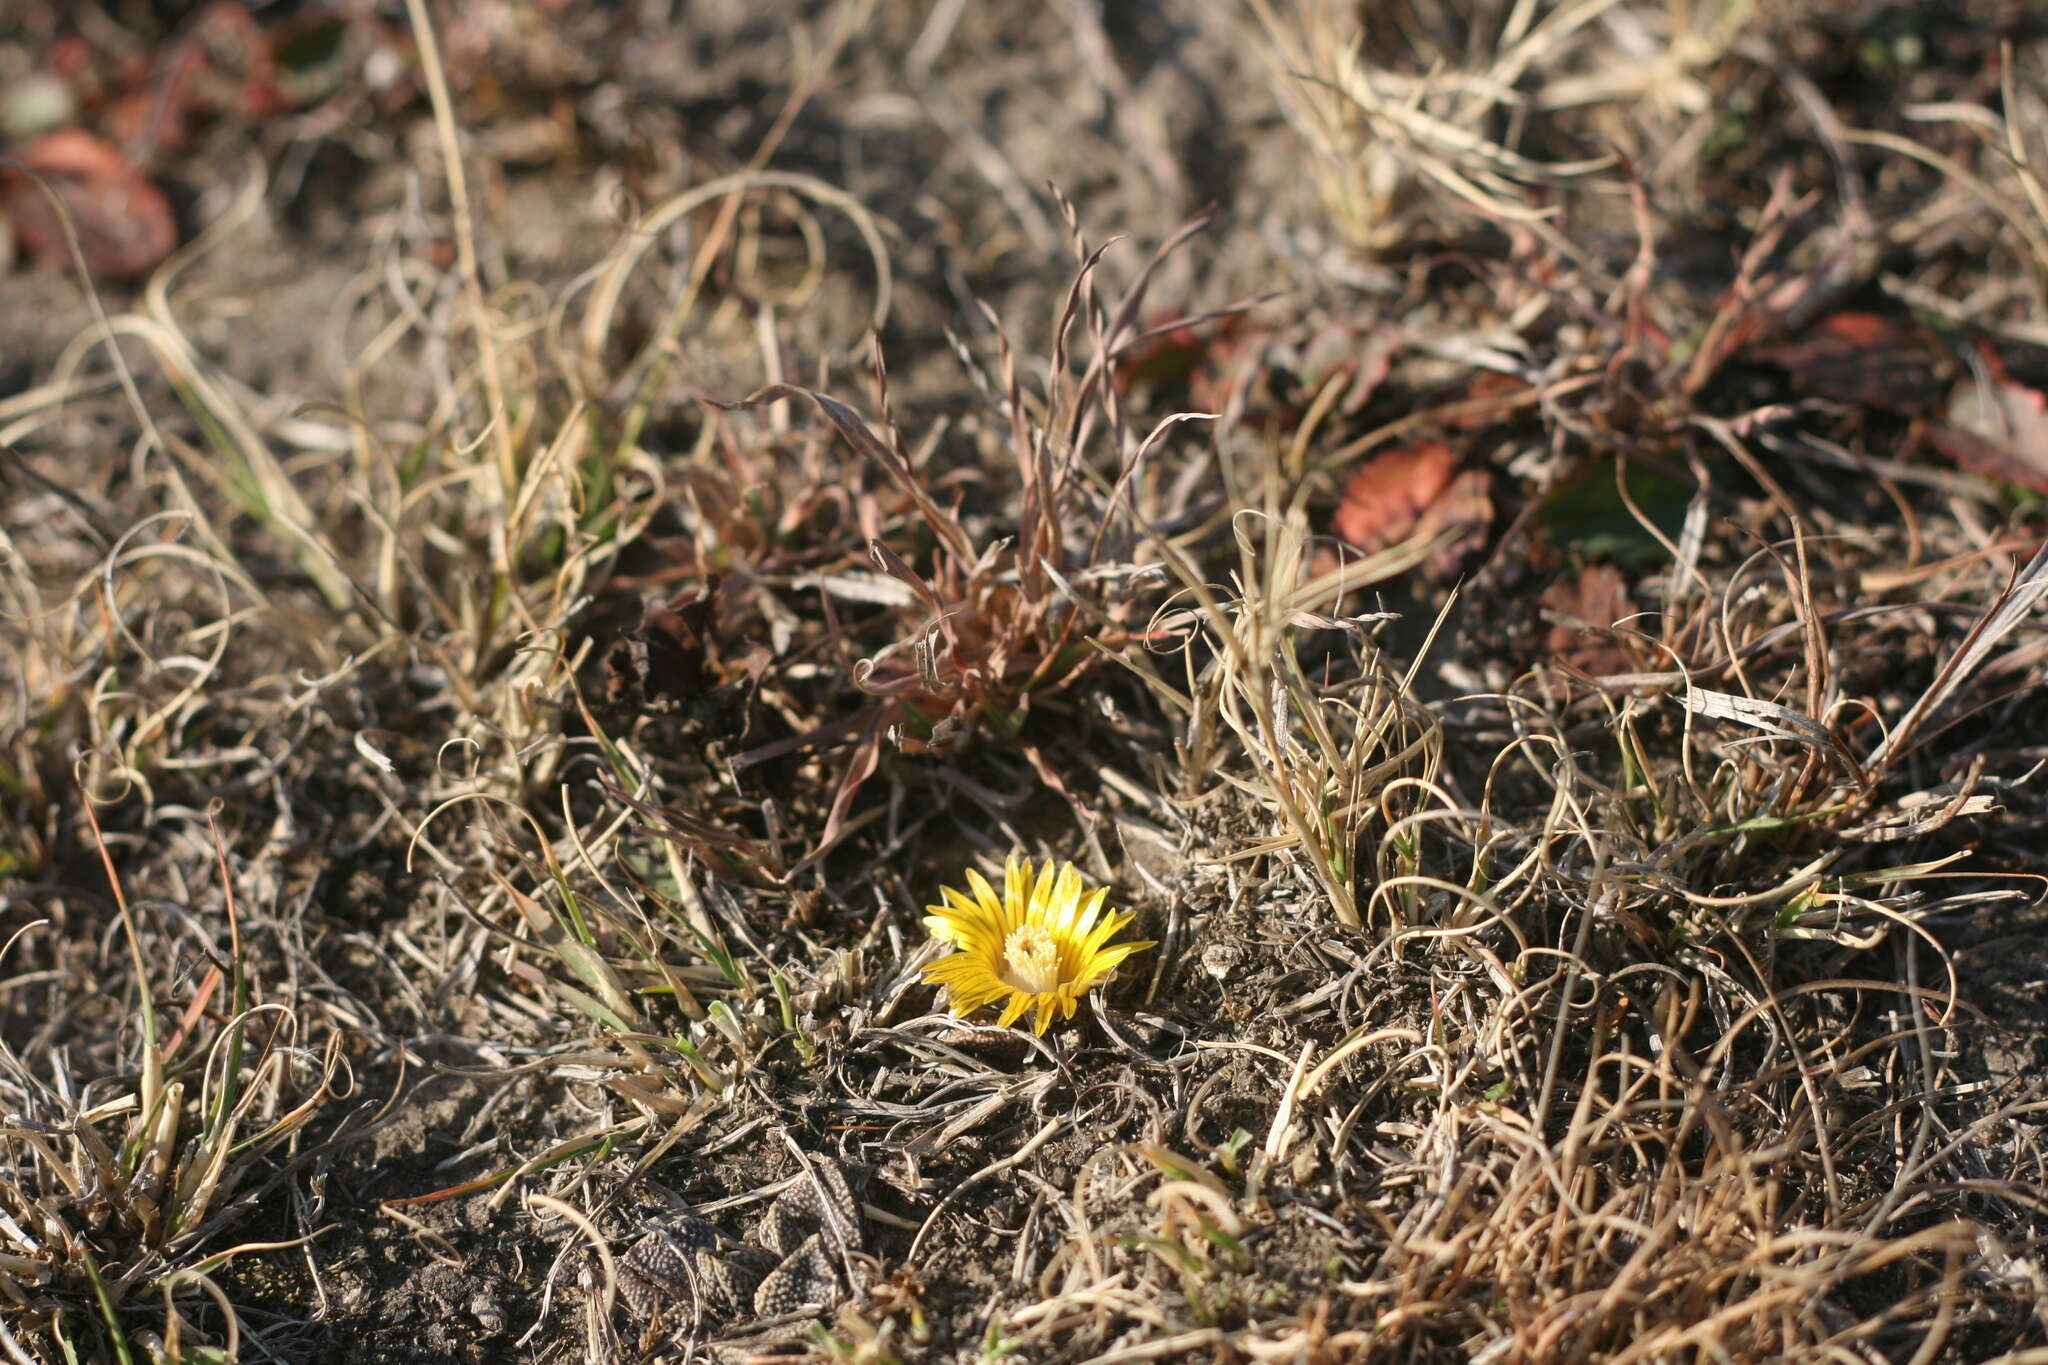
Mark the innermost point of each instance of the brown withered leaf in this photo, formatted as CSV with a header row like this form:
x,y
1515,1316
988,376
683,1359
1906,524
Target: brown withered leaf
x,y
1997,428
1361,357
124,222
1859,357
1577,606
1416,490
667,658
1168,357
1490,393
222,66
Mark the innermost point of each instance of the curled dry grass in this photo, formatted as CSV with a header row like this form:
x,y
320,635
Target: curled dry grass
x,y
440,552
1681,1091
120,1187
1615,1014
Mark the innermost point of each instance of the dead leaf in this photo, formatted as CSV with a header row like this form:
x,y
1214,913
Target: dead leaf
x,y
124,222
1363,355
1416,491
666,658
1578,607
1997,428
1858,357
1388,492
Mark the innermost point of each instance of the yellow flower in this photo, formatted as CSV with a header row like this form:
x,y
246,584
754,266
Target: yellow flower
x,y
1038,946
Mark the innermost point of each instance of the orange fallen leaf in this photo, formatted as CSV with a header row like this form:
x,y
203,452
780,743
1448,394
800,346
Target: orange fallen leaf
x,y
1388,492
124,222
1411,491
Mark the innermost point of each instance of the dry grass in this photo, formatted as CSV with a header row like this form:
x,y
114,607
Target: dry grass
x,y
1514,1002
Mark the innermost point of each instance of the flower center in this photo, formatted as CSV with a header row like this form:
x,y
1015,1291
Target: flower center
x,y
1031,961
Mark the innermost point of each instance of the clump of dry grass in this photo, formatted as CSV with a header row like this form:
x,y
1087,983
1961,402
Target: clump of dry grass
x,y
1332,758
1399,145
1679,1047
1004,617
1503,1010
125,1161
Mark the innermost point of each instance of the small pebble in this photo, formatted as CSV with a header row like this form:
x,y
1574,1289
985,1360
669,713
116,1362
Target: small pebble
x,y
34,103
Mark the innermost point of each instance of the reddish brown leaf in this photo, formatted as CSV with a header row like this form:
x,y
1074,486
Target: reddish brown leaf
x,y
1411,491
1165,360
1866,358
1383,499
124,223
1487,389
1578,605
1998,429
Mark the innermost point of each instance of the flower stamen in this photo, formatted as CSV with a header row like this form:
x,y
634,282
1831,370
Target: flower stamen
x,y
1031,960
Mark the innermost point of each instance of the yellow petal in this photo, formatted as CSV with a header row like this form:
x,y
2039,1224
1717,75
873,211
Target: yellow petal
x,y
1041,890
1091,907
1016,891
1107,930
1107,961
1066,895
955,968
983,892
967,1002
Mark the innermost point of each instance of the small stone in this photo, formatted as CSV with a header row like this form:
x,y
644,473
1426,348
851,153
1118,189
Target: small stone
x,y
1221,959
34,103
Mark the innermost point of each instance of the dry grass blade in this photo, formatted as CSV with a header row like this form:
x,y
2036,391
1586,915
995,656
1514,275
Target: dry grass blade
x,y
1538,668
